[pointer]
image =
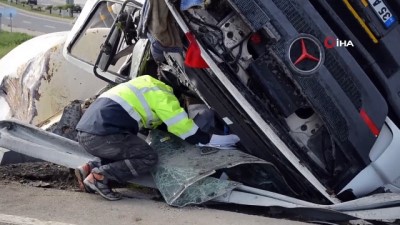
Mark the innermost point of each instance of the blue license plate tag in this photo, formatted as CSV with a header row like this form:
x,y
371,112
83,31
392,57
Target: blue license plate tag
x,y
383,12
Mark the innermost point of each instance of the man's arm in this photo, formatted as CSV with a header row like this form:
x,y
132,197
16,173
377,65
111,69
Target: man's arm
x,y
178,122
168,109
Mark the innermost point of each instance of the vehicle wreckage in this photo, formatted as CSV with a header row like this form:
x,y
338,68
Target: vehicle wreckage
x,y
318,122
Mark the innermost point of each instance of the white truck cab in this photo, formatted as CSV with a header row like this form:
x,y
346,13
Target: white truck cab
x,y
312,134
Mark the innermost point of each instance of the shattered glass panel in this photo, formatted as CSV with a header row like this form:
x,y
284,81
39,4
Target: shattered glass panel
x,y
182,172
204,190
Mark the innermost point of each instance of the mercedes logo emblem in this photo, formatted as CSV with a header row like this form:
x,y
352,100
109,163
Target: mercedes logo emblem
x,y
306,54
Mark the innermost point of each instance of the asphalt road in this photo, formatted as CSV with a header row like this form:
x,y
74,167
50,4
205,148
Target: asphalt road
x,y
25,205
36,22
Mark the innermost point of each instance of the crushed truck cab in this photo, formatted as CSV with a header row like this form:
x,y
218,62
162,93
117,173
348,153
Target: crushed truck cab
x,y
308,86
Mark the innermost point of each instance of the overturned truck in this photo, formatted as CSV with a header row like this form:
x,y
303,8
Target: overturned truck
x,y
310,87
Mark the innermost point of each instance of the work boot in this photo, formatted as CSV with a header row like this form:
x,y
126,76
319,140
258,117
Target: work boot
x,y
81,173
96,182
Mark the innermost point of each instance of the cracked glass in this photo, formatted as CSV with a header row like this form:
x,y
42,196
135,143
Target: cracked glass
x,y
183,172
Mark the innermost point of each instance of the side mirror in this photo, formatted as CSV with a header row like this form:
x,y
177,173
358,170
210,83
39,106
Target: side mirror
x,y
108,49
108,53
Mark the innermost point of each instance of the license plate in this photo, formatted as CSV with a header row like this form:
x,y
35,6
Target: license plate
x,y
383,12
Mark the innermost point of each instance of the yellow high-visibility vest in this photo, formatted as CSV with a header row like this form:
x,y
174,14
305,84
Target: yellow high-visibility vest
x,y
151,102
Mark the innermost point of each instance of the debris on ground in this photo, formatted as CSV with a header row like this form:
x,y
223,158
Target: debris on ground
x,y
39,174
49,175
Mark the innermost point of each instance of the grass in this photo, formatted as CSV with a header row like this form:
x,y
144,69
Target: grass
x,y
28,8
8,41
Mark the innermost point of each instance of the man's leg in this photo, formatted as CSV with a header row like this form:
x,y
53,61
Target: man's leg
x,y
127,154
129,157
83,171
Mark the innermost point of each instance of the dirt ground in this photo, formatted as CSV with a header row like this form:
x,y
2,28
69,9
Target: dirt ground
x,y
39,174
47,175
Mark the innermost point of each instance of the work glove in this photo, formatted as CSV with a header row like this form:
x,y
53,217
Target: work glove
x,y
222,141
